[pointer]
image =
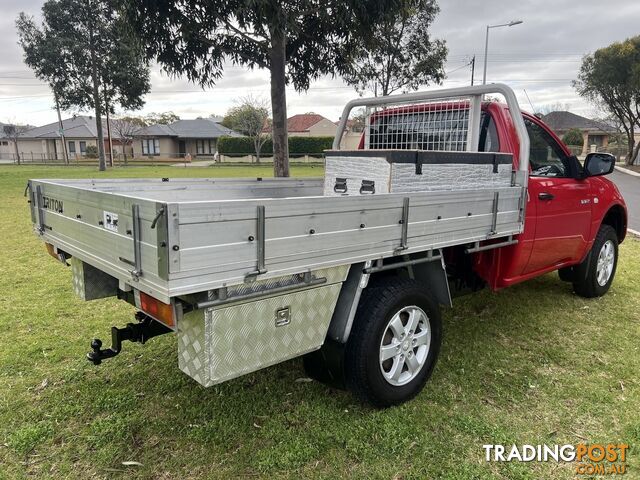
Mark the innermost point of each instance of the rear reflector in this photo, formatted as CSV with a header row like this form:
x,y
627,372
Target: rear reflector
x,y
158,310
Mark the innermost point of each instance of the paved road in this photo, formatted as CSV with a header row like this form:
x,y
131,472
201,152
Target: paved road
x,y
629,186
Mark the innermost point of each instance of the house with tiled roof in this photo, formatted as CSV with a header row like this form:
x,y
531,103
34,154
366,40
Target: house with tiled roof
x,y
310,125
80,132
196,137
594,132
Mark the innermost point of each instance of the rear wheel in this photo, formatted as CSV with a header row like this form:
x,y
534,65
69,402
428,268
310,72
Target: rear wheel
x,y
594,276
394,344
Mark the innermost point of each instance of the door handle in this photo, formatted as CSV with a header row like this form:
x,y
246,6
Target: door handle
x,y
546,196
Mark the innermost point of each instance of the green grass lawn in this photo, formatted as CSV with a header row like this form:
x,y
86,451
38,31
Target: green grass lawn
x,y
532,364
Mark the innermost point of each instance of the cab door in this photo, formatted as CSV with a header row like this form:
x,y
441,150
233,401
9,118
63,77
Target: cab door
x,y
562,203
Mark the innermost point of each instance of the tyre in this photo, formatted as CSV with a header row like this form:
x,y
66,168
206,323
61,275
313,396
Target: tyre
x,y
394,344
595,274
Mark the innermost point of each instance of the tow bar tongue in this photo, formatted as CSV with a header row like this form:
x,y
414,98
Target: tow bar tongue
x,y
134,332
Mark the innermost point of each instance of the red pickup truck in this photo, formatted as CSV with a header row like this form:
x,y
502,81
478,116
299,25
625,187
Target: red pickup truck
x,y
446,195
574,221
575,218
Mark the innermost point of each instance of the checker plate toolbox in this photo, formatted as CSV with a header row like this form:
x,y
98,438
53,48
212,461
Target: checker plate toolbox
x,y
262,262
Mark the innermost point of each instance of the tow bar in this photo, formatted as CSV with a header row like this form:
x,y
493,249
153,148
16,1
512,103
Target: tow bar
x,y
134,332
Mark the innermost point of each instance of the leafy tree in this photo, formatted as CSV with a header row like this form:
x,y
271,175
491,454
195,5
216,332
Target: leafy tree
x,y
85,51
296,40
13,133
610,77
401,55
125,128
163,118
250,117
573,137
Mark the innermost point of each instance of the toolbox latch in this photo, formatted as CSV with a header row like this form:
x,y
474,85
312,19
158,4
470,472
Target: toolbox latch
x,y
340,186
368,187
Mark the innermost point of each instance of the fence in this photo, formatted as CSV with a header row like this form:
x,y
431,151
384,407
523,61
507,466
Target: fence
x,y
619,151
29,158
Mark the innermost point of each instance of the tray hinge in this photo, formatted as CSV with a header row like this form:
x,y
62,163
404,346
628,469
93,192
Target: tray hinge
x,y
494,216
404,222
41,226
136,273
260,242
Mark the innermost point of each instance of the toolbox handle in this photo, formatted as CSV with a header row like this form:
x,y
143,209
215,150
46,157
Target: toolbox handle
x,y
368,187
340,186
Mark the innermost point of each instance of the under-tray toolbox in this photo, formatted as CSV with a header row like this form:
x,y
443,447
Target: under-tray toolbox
x,y
219,343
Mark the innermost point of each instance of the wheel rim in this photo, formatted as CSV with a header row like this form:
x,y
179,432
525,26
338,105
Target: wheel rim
x,y
606,261
405,345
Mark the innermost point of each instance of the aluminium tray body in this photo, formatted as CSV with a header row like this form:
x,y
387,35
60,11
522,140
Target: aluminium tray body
x,y
194,235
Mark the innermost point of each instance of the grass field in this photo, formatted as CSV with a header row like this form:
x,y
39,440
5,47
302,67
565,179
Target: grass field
x,y
532,364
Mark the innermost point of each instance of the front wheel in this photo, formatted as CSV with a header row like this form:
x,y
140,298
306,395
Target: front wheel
x,y
594,276
394,344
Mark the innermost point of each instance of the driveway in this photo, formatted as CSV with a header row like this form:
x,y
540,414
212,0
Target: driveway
x,y
629,186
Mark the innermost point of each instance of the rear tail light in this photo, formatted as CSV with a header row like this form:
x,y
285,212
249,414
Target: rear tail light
x,y
155,308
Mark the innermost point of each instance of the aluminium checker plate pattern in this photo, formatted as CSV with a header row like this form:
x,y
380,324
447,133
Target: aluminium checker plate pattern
x,y
89,283
220,343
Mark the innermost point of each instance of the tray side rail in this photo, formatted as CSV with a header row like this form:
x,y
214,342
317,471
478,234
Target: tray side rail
x,y
233,242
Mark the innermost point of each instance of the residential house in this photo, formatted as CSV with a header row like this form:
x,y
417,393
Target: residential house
x,y
593,132
6,146
311,125
45,142
352,134
198,138
315,125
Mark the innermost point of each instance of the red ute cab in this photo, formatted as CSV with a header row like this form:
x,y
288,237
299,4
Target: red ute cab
x,y
566,208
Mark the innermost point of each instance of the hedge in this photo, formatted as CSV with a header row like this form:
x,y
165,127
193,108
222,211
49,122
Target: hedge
x,y
240,146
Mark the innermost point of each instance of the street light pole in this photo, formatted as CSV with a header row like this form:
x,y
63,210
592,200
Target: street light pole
x,y
486,44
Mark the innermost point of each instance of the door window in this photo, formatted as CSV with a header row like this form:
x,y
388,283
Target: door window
x,y
546,157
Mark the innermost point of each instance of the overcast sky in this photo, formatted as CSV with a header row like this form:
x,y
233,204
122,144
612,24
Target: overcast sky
x,y
540,56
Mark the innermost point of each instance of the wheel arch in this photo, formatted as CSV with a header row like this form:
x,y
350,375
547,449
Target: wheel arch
x,y
616,217
431,273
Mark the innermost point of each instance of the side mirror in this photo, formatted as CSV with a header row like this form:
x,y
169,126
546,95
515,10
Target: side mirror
x,y
599,164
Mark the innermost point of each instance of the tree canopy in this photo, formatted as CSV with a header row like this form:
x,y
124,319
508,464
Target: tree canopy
x,y
296,40
163,118
610,78
250,117
85,51
400,55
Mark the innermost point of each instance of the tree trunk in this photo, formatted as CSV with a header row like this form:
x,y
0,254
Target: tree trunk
x,y
635,156
15,146
630,144
256,146
279,104
97,102
106,102
64,141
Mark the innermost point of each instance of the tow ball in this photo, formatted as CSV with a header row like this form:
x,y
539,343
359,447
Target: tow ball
x,y
140,332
